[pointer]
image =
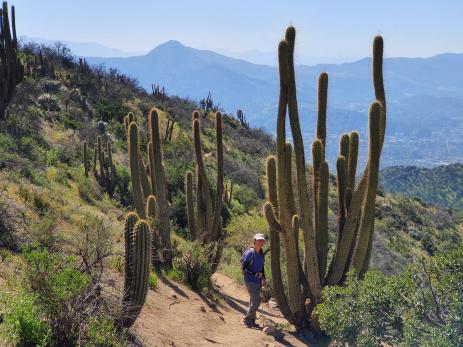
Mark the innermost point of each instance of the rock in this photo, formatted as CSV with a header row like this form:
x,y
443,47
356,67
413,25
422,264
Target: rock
x,y
273,303
270,330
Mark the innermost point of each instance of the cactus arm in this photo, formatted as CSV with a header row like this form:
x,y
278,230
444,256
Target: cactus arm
x,y
275,251
317,158
303,194
206,192
190,204
352,162
271,218
200,208
341,168
322,232
219,190
145,184
283,215
161,187
296,301
135,169
322,106
151,166
85,159
367,220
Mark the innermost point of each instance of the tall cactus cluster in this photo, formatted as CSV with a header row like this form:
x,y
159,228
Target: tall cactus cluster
x,y
288,212
11,69
205,209
104,169
137,237
149,185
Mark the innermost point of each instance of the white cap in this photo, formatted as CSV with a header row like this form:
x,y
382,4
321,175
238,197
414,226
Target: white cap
x,y
259,237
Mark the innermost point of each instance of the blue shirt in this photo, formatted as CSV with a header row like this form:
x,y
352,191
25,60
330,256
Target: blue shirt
x,y
256,266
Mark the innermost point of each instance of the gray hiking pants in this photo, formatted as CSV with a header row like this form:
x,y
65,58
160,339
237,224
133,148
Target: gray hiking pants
x,y
254,300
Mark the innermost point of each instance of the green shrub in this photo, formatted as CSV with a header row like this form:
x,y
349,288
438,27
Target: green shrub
x,y
192,266
46,306
102,332
6,144
23,322
230,264
241,230
106,110
53,277
153,281
4,254
421,307
246,196
122,185
58,287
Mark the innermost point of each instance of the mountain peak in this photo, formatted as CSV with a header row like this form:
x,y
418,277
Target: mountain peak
x,y
168,45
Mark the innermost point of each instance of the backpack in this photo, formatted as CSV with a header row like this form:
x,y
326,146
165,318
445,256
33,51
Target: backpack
x,y
253,252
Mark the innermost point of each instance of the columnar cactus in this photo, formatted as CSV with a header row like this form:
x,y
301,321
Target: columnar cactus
x,y
11,69
86,165
150,181
228,194
205,224
104,170
356,203
137,267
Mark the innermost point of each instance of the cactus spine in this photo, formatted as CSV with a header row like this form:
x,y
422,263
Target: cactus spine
x,y
205,224
11,69
137,267
150,182
355,202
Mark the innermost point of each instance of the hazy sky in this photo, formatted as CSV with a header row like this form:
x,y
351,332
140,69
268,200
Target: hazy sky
x,y
326,28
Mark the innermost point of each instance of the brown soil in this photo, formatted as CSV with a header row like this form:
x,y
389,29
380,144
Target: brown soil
x,y
176,316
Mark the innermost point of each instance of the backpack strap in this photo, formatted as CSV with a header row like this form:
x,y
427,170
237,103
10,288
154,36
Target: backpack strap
x,y
253,252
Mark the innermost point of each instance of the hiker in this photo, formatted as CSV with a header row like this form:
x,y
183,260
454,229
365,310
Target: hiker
x,y
252,267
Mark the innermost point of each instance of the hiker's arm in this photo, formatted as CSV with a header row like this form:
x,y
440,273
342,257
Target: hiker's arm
x,y
247,260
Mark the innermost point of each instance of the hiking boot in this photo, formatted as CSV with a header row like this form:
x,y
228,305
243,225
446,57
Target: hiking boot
x,y
251,324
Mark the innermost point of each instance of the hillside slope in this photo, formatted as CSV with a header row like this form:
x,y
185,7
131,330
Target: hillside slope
x,y
442,185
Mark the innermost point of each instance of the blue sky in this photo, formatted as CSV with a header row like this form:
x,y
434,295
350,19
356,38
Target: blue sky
x,y
329,28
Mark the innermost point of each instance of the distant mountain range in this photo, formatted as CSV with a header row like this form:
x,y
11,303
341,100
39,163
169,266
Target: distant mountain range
x,y
442,185
83,49
425,96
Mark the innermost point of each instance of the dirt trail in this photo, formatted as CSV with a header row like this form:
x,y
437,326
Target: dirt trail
x,y
176,316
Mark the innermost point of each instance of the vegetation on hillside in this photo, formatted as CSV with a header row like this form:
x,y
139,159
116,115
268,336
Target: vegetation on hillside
x,y
420,307
442,185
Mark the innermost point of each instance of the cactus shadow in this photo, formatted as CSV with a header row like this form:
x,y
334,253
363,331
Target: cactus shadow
x,y
210,303
172,285
241,305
